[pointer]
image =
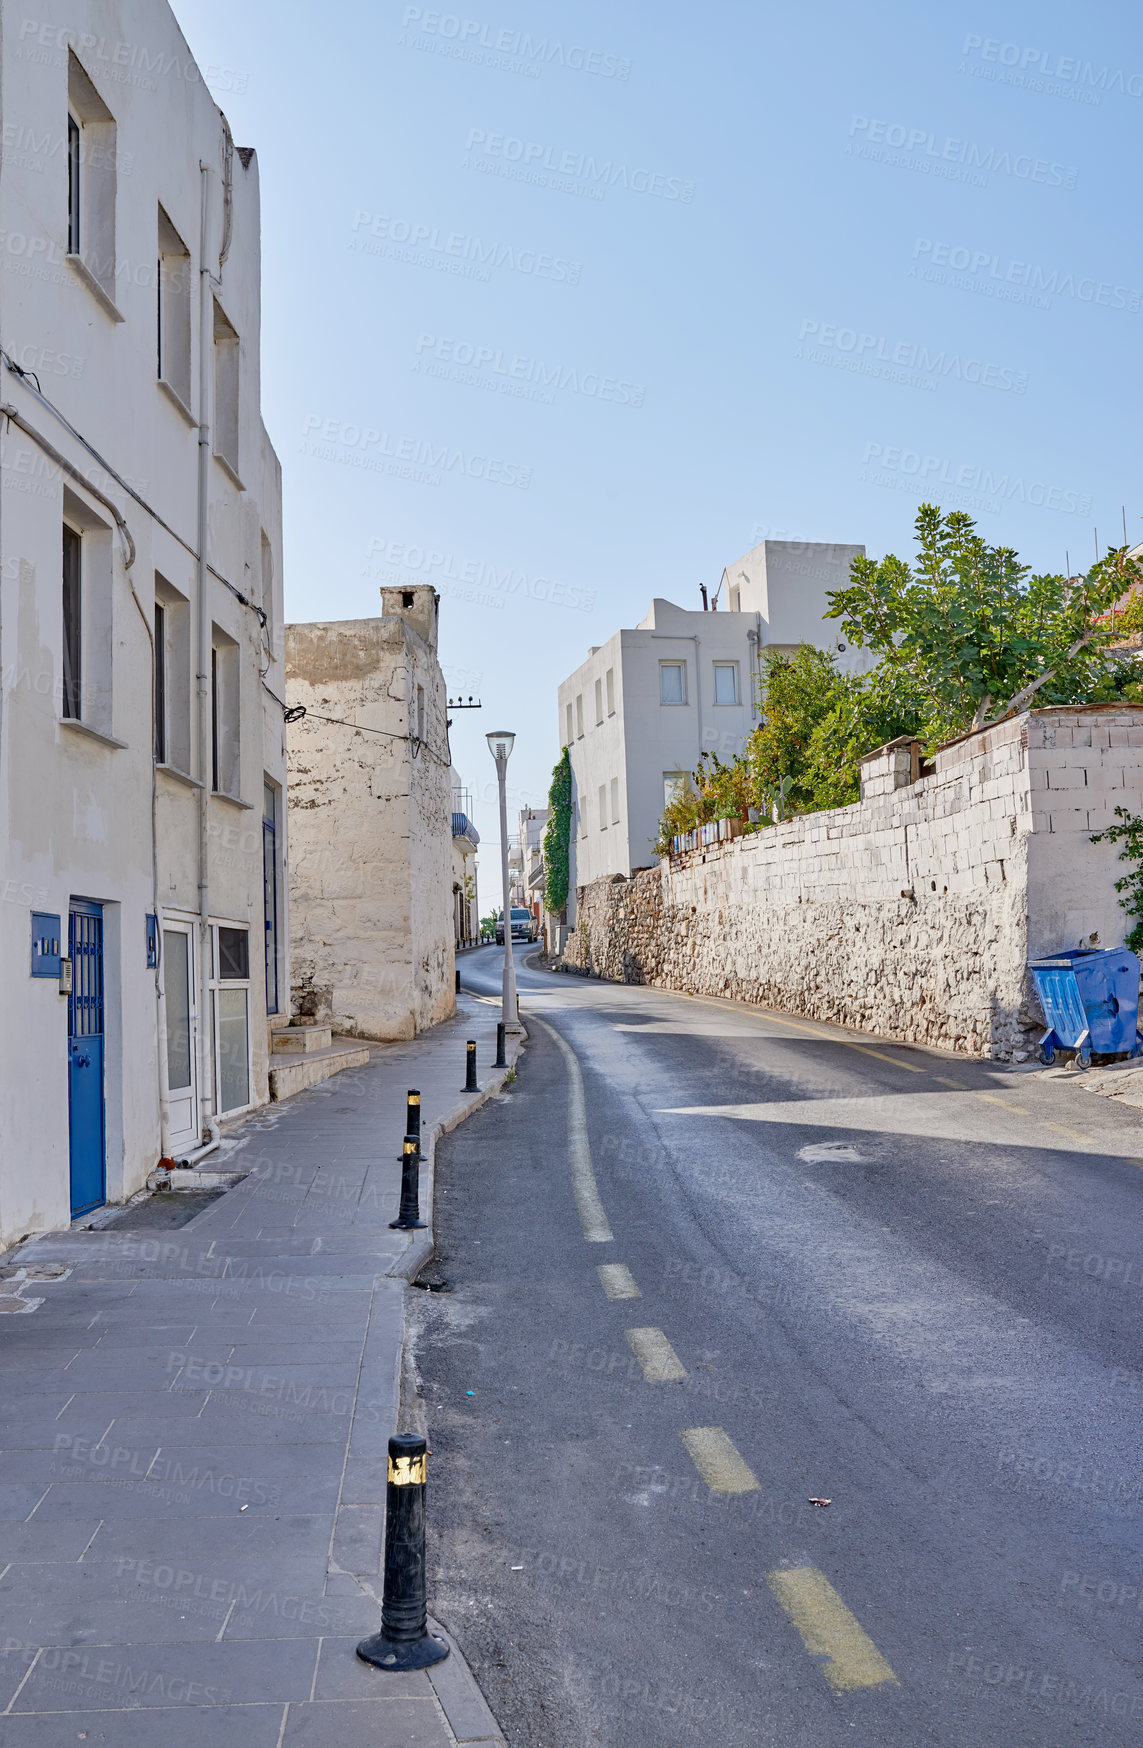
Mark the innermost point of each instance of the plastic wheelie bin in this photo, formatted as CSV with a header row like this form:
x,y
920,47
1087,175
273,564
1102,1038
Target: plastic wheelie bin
x,y
1090,998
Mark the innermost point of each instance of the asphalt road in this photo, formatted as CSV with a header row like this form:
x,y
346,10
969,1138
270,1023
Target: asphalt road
x,y
896,1280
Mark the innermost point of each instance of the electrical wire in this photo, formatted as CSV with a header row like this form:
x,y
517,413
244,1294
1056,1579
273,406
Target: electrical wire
x,y
413,741
27,377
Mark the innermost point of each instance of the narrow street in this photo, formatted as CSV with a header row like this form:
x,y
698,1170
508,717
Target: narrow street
x,y
901,1282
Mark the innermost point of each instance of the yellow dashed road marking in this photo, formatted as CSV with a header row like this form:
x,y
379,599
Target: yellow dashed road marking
x,y
717,1461
660,1362
1074,1133
828,1629
909,1067
993,1099
617,1281
955,1084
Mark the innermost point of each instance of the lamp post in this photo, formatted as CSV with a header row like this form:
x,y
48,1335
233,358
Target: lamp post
x,y
500,744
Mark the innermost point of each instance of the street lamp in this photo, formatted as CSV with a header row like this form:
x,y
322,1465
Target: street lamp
x,y
500,744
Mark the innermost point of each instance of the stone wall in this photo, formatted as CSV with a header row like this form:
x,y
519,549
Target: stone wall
x,y
911,914
371,934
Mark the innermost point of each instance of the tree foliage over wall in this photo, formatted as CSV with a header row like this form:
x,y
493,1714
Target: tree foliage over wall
x,y
963,637
557,836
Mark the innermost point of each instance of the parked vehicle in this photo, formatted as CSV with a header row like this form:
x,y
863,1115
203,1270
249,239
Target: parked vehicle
x,y
523,925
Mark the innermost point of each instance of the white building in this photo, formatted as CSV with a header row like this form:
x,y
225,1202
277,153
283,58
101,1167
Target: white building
x,y
142,749
465,841
530,859
372,939
644,707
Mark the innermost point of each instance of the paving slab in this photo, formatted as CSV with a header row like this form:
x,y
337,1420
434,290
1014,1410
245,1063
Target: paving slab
x,y
195,1418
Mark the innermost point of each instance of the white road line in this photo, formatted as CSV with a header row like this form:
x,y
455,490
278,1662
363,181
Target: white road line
x,y
617,1281
592,1218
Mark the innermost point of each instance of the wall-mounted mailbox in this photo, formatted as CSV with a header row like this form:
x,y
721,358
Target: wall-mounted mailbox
x,y
45,944
152,943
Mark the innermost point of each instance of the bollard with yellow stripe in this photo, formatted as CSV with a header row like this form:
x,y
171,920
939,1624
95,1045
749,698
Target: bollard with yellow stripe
x,y
404,1641
413,1118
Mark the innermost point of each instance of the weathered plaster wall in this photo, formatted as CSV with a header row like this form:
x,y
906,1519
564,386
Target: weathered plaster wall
x,y
912,913
371,935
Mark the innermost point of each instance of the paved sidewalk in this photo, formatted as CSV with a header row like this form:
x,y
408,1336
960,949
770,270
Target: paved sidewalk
x,y
194,1442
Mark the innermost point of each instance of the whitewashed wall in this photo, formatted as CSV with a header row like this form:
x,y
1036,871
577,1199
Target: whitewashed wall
x,y
76,809
911,914
371,919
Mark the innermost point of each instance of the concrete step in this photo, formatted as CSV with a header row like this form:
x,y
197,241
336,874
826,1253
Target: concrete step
x,y
292,1073
301,1040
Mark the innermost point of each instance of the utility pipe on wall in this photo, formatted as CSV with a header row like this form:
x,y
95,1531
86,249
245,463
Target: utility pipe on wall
x,y
202,655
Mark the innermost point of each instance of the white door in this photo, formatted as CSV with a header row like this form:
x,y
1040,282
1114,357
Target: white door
x,y
178,971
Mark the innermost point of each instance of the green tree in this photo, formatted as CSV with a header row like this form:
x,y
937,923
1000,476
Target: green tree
x,y
557,836
974,632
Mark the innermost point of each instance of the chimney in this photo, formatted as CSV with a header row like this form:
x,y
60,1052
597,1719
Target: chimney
x,y
418,606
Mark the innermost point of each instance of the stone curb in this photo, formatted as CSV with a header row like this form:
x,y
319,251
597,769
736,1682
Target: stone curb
x,y
465,1708
421,1249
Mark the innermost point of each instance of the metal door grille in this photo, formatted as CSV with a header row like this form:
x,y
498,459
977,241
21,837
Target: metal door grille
x,y
85,1003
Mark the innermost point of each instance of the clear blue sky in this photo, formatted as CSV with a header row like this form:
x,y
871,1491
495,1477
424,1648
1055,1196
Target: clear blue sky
x,y
766,326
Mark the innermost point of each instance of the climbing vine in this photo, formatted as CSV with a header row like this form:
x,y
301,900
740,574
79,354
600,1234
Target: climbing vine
x,y
557,836
1130,887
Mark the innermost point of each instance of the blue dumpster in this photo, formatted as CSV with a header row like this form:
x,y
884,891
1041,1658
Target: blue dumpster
x,y
1090,999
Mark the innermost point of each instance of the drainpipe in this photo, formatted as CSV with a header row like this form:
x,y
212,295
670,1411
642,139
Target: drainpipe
x,y
203,648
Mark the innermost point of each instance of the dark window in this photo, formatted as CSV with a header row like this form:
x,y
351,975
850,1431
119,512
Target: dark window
x,y
73,156
72,625
233,955
407,598
160,684
215,709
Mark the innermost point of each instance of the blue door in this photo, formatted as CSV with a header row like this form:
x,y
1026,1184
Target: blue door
x,y
270,891
85,1057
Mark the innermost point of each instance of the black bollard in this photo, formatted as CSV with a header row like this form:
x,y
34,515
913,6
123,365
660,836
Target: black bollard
x,y
409,1213
500,1063
413,1118
458,980
470,1057
404,1641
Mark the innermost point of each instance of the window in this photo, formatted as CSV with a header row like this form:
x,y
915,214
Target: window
x,y
86,629
726,682
225,391
736,600
581,816
233,955
611,691
615,801
420,713
73,160
160,684
91,169
579,715
72,623
674,785
598,702
230,997
173,311
172,677
225,768
672,683
570,736
603,807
